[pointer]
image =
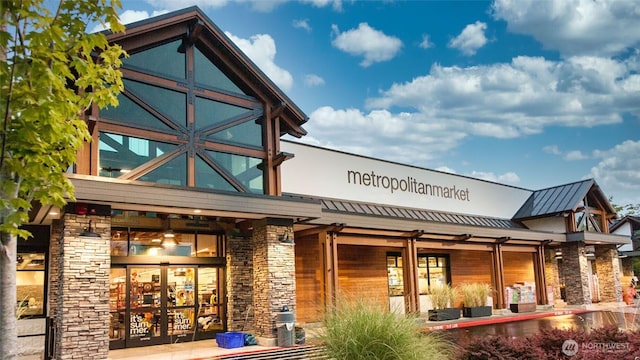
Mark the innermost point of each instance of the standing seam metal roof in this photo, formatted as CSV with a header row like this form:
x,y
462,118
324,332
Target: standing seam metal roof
x,y
416,214
554,200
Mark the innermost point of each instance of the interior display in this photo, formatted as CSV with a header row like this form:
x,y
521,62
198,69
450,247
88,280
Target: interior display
x,y
432,270
30,284
160,304
521,297
209,307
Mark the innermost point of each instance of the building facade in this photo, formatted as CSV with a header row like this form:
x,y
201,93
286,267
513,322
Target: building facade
x,y
192,217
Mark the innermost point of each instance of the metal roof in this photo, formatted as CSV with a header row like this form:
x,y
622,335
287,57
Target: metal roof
x,y
415,214
632,220
555,200
225,46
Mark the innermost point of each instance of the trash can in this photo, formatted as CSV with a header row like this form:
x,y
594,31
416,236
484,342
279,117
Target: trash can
x,y
285,324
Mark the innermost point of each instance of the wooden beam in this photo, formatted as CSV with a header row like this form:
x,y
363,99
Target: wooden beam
x,y
541,281
498,276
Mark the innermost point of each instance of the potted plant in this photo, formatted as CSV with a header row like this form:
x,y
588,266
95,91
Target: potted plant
x,y
442,299
474,299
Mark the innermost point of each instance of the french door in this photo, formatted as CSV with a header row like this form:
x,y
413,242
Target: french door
x,y
160,304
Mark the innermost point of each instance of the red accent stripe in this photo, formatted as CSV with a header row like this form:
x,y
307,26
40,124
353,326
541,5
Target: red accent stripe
x,y
502,319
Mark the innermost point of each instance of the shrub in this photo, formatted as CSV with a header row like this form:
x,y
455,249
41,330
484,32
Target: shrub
x,y
356,330
500,347
547,344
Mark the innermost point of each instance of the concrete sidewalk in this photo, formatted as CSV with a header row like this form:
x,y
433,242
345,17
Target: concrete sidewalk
x,y
208,349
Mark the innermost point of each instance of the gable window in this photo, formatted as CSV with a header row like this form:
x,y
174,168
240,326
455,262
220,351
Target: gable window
x,y
183,127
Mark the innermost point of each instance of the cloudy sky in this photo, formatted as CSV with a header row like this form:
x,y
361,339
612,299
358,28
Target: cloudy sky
x,y
527,93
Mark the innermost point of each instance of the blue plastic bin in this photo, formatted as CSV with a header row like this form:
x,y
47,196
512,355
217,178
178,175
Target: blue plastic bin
x,y
230,340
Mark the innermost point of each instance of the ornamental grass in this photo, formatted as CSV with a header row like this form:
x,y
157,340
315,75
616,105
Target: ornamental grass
x,y
359,330
474,294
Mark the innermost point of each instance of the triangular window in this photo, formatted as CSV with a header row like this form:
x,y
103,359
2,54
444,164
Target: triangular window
x,y
209,75
173,172
163,60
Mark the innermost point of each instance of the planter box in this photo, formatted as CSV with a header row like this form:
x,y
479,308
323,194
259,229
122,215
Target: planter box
x,y
444,314
523,307
477,311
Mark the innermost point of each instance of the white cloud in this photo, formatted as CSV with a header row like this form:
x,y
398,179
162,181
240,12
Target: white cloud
x,y
552,149
446,169
506,178
575,155
367,42
131,16
572,155
179,4
261,49
618,172
335,4
256,5
470,39
426,42
520,98
575,27
311,80
302,24
404,137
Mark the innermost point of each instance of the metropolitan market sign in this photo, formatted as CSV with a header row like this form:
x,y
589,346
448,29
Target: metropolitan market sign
x,y
333,174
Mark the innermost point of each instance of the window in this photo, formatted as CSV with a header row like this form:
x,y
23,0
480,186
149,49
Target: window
x,y
30,281
433,270
120,154
147,242
168,117
395,275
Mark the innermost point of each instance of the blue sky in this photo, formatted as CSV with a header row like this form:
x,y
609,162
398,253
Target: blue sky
x,y
527,93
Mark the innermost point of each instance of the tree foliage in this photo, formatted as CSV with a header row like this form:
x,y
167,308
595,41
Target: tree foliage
x,y
51,72
625,210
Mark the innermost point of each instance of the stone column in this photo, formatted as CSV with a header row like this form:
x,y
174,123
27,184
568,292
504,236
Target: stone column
x,y
80,299
608,270
274,280
576,274
551,272
239,283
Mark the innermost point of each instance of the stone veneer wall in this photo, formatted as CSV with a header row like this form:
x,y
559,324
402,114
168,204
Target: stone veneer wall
x,y
79,287
551,272
274,282
576,274
239,284
608,269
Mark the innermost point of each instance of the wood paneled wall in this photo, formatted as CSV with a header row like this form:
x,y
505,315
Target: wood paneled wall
x,y
362,273
470,266
518,267
309,282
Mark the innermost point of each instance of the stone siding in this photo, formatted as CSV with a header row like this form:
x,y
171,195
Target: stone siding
x,y
239,284
576,274
274,281
551,272
79,292
608,269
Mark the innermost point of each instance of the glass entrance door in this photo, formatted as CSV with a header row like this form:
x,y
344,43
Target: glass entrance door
x,y
165,304
147,322
181,304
